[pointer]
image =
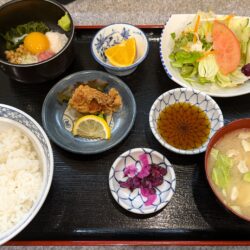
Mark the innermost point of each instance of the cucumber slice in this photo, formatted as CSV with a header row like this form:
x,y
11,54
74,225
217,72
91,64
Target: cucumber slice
x,y
246,177
237,25
248,53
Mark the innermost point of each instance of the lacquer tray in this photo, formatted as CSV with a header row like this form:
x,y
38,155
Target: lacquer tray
x,y
80,210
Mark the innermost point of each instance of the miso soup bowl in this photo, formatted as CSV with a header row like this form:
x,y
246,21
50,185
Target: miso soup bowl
x,y
232,126
18,12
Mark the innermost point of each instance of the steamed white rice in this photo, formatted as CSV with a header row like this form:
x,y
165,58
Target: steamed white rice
x,y
20,177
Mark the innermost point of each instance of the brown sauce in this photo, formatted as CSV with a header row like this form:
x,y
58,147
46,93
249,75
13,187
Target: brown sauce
x,y
183,125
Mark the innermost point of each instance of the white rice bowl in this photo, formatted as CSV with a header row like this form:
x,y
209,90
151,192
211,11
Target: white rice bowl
x,y
26,170
21,176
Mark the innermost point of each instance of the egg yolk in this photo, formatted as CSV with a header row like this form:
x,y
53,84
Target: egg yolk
x,y
36,42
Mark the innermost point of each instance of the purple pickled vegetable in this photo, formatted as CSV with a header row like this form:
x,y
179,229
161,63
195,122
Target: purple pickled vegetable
x,y
246,69
149,177
147,191
146,183
156,181
127,184
143,159
150,200
145,171
131,183
136,182
130,170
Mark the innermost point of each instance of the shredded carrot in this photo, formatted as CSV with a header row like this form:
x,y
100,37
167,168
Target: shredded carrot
x,y
229,17
205,55
197,23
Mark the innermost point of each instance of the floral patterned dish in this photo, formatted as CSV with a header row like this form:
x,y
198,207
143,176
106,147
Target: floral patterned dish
x,y
115,34
135,201
195,97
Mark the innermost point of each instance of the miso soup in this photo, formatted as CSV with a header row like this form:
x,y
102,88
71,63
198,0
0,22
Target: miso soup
x,y
229,170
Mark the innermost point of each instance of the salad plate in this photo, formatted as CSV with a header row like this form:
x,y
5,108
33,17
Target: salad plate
x,y
53,114
172,31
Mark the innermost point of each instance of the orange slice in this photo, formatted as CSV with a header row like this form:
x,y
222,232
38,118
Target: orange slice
x,y
123,54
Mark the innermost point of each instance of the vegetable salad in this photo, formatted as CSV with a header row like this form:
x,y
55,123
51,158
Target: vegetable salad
x,y
213,49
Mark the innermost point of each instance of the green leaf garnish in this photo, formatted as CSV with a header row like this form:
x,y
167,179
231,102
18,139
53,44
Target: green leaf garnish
x,y
173,35
15,36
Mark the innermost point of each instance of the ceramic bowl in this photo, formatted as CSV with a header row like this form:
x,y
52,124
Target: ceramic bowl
x,y
18,12
202,100
12,117
176,24
115,34
134,201
232,126
54,121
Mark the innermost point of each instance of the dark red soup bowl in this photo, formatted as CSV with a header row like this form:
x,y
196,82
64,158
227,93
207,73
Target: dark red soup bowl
x,y
237,124
18,12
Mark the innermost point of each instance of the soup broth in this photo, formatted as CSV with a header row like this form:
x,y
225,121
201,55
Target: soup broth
x,y
229,170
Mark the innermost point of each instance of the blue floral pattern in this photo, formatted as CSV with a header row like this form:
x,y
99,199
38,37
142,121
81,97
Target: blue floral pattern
x,y
104,42
125,33
114,37
134,201
204,101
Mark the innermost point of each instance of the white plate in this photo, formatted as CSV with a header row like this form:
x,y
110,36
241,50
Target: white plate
x,y
134,201
177,23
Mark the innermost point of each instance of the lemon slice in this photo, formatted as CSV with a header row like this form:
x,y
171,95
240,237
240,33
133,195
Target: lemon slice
x,y
123,54
91,126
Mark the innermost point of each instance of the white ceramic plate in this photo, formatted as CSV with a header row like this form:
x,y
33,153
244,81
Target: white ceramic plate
x,y
177,23
134,201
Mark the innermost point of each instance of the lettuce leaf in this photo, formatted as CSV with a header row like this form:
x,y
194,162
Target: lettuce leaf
x,y
231,80
237,77
208,67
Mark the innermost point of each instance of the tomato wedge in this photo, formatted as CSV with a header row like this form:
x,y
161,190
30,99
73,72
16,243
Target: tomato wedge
x,y
227,48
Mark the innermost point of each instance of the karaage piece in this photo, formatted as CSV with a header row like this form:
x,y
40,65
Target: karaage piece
x,y
89,100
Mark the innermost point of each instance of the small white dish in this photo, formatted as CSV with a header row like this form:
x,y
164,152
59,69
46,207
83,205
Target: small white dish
x,y
195,97
177,23
134,201
115,34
